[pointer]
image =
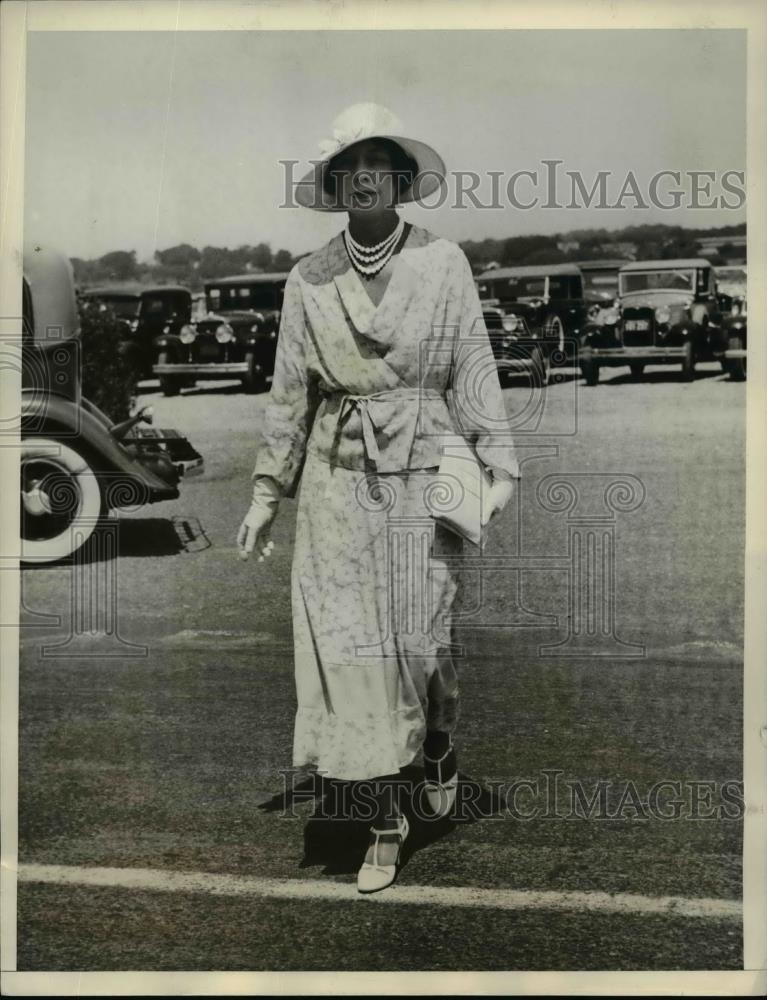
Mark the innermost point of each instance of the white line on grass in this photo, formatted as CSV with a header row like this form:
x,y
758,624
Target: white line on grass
x,y
419,895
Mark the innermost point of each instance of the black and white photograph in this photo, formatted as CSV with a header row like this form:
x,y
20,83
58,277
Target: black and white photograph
x,y
382,592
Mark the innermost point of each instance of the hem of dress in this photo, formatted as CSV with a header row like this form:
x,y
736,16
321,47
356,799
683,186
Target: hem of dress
x,y
332,759
312,767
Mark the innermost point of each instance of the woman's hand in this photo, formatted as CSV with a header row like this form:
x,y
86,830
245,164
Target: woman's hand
x,y
254,530
496,498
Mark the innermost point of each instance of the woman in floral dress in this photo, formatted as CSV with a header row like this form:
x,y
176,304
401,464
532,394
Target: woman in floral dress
x,y
377,327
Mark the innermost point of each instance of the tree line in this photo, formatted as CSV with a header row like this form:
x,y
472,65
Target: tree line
x,y
187,265
182,264
646,242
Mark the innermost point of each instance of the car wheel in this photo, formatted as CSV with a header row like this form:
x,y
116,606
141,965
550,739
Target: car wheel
x,y
555,332
736,367
688,363
540,369
170,385
637,368
61,500
254,380
590,372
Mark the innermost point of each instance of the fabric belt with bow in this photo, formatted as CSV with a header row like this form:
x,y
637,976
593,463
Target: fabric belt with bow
x,y
362,405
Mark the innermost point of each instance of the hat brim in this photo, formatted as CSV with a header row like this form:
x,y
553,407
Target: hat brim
x,y
310,191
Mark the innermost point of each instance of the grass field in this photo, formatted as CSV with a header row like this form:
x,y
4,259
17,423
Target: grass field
x,y
175,761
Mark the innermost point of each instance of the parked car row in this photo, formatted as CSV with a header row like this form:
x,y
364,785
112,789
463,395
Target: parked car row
x,y
228,332
608,313
77,464
595,314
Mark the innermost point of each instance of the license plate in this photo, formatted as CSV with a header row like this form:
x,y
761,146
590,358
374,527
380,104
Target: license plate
x,y
637,324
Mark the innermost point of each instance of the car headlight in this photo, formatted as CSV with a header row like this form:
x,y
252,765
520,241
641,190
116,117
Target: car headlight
x,y
187,334
511,324
224,333
254,328
610,317
662,314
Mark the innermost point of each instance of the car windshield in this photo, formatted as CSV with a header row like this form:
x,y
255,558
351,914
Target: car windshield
x,y
601,284
734,274
648,281
160,305
526,288
124,307
260,296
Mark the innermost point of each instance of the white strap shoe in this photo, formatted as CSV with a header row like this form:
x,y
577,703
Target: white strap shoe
x,y
374,877
440,794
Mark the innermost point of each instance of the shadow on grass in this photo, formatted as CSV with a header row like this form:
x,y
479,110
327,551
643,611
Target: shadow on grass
x,y
337,833
662,375
135,537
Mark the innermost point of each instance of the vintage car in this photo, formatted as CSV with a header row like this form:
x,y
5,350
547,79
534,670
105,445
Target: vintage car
x,y
76,464
732,345
517,347
667,312
236,338
146,310
549,296
600,283
731,281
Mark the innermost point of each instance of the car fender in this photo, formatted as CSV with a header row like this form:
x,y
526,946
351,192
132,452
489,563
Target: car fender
x,y
54,416
685,329
588,330
699,313
736,326
166,342
259,339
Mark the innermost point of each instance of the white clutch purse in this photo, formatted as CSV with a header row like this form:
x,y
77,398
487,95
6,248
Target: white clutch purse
x,y
458,494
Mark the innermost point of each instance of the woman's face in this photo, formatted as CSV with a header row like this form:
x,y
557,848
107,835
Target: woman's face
x,y
365,179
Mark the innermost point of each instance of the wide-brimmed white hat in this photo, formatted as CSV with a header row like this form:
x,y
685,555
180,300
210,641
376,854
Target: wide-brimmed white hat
x,y
369,121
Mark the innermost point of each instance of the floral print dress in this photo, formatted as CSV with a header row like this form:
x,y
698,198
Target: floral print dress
x,y
356,415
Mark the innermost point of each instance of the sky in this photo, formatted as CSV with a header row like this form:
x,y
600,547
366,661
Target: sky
x,y
143,140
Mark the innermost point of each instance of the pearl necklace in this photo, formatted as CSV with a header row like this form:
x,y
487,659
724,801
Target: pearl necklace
x,y
370,260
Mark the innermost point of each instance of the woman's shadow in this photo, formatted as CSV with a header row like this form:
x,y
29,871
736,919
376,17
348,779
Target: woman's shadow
x,y
337,833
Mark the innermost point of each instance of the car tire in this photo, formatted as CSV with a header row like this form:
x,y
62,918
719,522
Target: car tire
x,y
540,369
736,367
170,385
555,332
254,380
688,363
70,478
637,369
590,372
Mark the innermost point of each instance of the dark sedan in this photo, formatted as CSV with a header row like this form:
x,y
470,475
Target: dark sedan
x,y
146,311
235,338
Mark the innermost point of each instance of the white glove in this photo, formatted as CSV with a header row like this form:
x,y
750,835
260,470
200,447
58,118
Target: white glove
x,y
497,496
254,530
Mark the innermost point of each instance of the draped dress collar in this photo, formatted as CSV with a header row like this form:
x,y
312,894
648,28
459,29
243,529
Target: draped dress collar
x,y
377,323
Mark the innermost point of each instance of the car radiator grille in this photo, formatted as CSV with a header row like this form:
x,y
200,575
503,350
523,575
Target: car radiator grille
x,y
638,327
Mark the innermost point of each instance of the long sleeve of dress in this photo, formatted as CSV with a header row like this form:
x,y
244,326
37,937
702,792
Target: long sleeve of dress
x,y
476,389
292,401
